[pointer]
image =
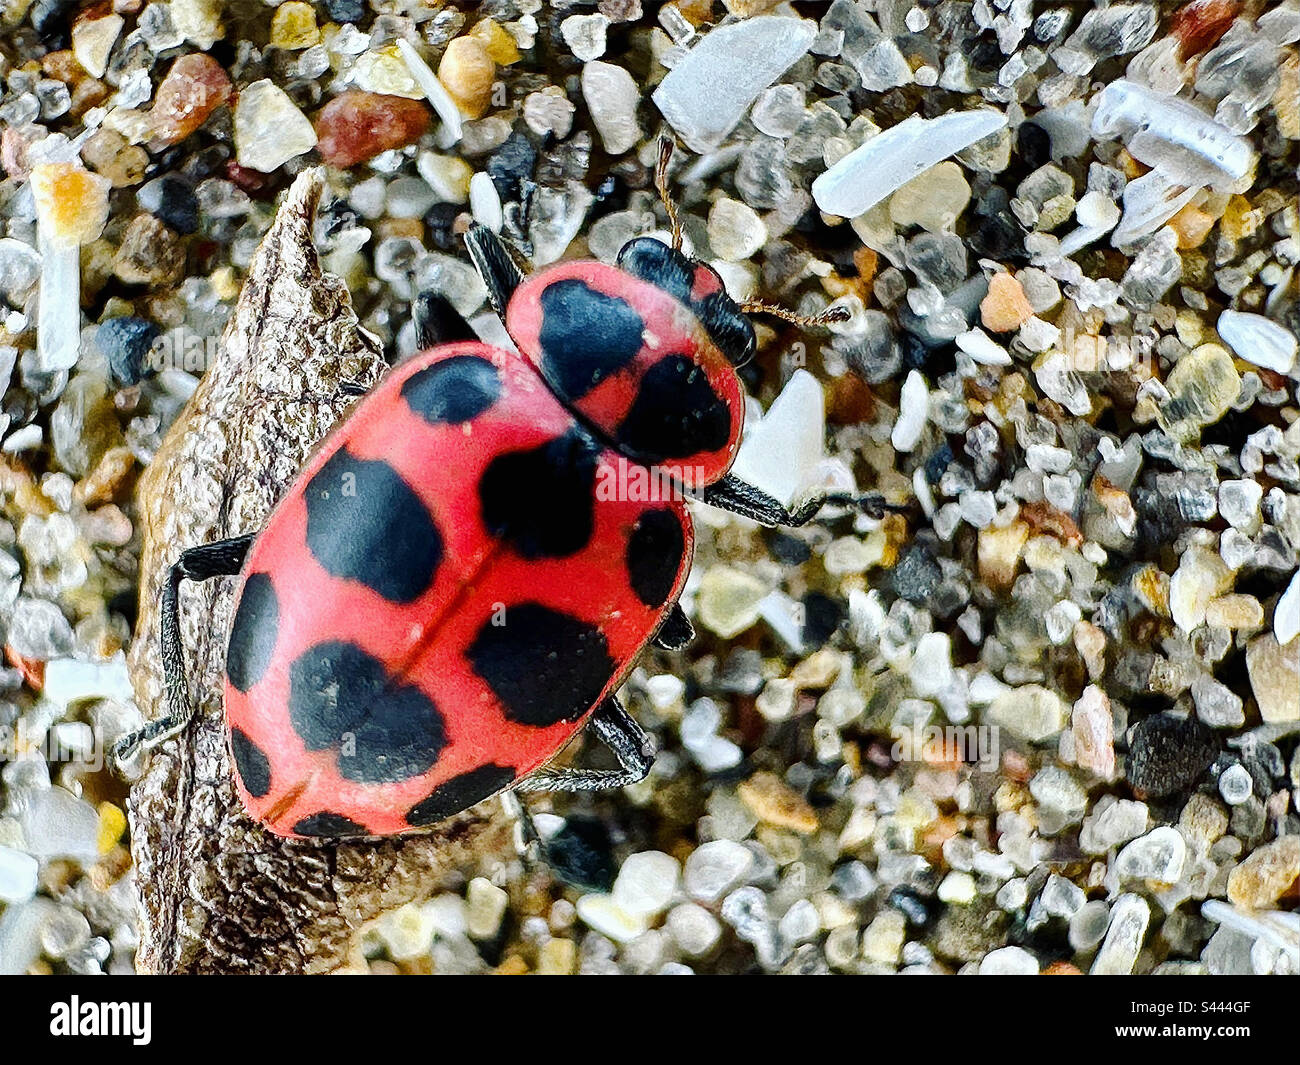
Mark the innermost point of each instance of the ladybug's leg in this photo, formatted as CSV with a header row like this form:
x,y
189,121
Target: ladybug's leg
x,y
676,631
495,265
617,730
736,496
438,322
222,558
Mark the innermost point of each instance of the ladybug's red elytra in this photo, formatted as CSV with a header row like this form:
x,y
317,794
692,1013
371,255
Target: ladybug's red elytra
x,y
455,585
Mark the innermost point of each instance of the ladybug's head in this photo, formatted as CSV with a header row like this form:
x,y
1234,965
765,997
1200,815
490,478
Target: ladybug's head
x,y
644,352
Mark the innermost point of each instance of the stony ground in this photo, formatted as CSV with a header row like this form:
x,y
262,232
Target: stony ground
x,y
1046,721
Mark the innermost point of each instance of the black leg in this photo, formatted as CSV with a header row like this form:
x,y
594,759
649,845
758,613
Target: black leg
x,y
438,322
676,631
617,730
223,558
492,260
736,496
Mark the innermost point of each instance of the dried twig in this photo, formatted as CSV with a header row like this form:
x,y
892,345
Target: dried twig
x,y
219,894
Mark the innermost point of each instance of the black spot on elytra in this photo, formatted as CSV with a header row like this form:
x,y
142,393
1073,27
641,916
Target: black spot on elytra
x,y
544,666
541,500
253,632
460,793
252,764
586,336
328,824
675,414
654,556
366,524
386,731
453,391
653,261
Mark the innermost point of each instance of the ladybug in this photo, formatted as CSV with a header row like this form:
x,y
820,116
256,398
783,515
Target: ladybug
x,y
460,580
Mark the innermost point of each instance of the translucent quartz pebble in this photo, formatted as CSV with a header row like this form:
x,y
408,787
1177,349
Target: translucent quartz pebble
x,y
889,160
58,824
711,87
1124,938
1259,340
1162,131
612,97
1159,855
72,208
269,128
1149,202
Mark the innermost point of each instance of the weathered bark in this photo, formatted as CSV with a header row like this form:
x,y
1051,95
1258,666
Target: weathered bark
x,y
218,893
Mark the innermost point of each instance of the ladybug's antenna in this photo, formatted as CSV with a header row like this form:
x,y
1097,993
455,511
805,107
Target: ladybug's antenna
x,y
833,314
661,183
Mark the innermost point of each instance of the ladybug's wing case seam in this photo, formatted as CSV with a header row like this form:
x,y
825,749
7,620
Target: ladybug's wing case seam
x,y
452,597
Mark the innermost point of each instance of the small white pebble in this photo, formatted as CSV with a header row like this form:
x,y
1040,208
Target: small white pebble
x,y
485,201
957,888
1235,785
1286,618
603,913
1009,961
18,875
1259,340
983,348
913,406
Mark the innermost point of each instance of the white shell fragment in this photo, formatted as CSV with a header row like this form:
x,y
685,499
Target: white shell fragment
x,y
913,403
780,453
1286,616
983,348
434,92
1172,134
889,160
1259,340
1149,202
485,201
710,89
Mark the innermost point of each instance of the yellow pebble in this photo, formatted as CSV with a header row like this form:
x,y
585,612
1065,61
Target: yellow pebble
x,y
467,73
773,802
496,41
294,26
1240,219
1234,611
225,285
112,823
558,957
1192,226
998,553
71,202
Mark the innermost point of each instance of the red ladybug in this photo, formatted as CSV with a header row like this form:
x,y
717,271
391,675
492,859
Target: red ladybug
x,y
459,580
